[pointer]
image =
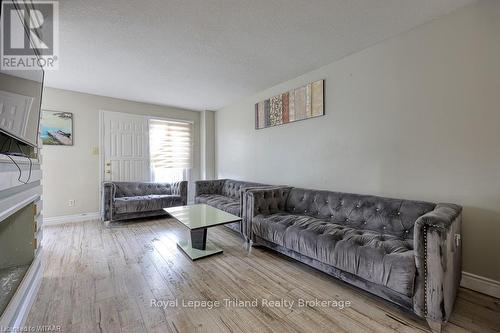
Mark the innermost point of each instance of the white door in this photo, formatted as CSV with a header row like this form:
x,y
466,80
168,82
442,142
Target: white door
x,y
126,147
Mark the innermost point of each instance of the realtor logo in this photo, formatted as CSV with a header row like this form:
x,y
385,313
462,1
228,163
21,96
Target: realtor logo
x,y
30,35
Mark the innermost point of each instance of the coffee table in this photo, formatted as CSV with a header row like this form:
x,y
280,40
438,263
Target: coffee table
x,y
198,218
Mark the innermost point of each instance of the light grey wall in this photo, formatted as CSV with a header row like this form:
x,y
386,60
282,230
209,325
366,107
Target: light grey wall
x,y
417,117
73,172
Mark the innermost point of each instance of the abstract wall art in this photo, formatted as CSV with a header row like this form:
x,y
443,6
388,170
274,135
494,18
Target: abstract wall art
x,y
298,104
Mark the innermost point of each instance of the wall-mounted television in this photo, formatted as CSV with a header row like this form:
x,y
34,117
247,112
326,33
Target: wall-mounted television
x,y
20,95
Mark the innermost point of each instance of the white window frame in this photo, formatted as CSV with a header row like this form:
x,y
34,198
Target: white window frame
x,y
187,172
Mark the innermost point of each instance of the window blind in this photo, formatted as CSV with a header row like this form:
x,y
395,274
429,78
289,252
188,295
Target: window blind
x,y
171,144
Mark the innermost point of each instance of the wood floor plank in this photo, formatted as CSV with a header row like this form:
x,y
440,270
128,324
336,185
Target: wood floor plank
x,y
104,278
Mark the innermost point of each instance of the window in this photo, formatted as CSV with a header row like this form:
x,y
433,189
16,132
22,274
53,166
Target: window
x,y
171,150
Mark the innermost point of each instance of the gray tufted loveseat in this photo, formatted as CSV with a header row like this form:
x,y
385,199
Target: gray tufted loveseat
x,y
407,252
129,200
226,195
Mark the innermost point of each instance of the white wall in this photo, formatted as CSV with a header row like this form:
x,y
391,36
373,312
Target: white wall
x,y
417,117
73,172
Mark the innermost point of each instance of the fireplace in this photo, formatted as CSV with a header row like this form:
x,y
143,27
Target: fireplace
x,y
17,251
20,233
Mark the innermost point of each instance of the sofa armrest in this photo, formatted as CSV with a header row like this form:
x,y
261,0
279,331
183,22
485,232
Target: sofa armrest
x,y
438,258
180,189
262,201
245,189
108,195
243,205
208,187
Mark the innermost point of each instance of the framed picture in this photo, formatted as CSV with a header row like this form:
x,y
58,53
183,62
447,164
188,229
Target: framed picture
x,y
56,128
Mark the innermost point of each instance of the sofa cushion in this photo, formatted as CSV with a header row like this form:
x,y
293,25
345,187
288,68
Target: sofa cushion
x,y
145,203
383,215
221,202
383,259
203,198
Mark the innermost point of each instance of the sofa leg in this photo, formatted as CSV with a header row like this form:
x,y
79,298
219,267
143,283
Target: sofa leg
x,y
435,325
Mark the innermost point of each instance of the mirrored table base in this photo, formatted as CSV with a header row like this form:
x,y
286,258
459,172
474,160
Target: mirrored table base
x,y
198,247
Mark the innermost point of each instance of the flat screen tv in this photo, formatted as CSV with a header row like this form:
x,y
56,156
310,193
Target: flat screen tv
x,y
20,99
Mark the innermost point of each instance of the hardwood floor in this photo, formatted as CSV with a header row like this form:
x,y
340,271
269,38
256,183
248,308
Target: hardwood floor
x,y
103,279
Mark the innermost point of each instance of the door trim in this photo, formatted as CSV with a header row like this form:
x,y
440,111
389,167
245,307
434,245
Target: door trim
x,y
101,160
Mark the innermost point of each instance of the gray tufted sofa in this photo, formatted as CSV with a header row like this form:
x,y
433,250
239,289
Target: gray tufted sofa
x,y
407,252
226,195
129,200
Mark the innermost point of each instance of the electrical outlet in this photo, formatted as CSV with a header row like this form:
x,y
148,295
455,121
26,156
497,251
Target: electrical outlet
x,y
71,202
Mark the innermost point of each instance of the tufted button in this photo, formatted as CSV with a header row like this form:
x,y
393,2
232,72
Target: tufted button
x,y
331,216
384,227
347,220
377,209
358,205
364,222
305,210
407,231
398,213
326,201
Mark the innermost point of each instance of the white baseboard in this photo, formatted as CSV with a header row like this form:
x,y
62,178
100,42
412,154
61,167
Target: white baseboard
x,y
481,284
71,218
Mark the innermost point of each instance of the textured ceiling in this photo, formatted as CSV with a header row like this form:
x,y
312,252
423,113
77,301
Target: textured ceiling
x,y
206,54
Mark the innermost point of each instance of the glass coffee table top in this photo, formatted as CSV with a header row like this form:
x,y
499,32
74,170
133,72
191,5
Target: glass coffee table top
x,y
198,218
201,216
